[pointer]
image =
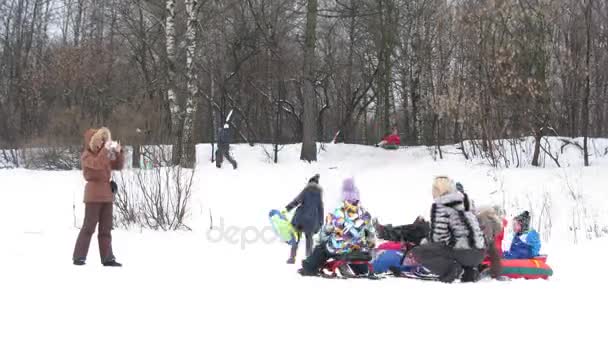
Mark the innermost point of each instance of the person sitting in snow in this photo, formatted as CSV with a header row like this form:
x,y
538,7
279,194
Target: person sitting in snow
x,y
457,245
526,242
348,229
308,218
392,139
409,234
490,224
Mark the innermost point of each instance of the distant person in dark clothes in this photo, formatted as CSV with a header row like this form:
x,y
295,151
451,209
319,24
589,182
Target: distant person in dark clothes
x,y
223,149
457,244
308,218
392,139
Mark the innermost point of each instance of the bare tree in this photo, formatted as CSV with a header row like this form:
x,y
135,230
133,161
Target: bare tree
x,y
309,147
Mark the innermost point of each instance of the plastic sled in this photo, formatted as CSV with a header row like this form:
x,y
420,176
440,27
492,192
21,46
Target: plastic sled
x,y
330,270
282,226
535,268
390,147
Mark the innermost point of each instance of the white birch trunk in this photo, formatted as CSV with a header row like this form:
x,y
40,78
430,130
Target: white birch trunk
x,y
188,147
174,110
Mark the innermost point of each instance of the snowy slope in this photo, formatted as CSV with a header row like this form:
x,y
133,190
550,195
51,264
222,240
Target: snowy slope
x,y
188,286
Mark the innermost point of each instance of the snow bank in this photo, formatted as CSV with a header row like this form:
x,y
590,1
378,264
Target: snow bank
x,y
193,286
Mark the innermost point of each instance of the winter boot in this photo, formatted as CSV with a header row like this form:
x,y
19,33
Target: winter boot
x,y
470,275
345,271
304,273
453,273
79,262
424,273
112,263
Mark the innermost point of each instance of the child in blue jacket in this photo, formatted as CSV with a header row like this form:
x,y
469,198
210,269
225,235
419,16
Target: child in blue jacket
x,y
526,242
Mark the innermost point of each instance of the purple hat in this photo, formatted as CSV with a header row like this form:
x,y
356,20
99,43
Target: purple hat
x,y
350,192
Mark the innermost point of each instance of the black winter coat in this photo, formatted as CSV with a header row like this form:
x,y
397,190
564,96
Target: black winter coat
x,y
309,215
224,136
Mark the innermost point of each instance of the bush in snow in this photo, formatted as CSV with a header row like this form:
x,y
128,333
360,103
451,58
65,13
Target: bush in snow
x,y
156,198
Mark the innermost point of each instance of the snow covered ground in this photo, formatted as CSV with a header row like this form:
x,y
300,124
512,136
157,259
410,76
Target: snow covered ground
x,y
195,286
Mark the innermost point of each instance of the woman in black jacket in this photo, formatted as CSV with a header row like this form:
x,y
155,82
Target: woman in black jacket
x,y
308,218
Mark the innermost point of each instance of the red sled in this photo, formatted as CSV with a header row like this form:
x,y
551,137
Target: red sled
x,y
534,268
330,268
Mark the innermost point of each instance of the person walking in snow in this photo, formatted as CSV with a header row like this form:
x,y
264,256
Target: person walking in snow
x,y
308,218
223,147
526,242
457,245
348,229
100,156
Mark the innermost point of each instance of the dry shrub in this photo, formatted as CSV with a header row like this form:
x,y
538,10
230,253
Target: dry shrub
x,y
157,198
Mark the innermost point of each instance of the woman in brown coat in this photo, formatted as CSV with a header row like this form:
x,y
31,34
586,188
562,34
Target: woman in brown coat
x,y
99,158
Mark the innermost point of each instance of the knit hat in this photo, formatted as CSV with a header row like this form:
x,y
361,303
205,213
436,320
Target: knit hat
x,y
350,193
524,220
314,179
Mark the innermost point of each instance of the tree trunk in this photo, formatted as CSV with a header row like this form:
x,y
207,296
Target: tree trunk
x,y
309,146
78,22
188,158
537,141
175,112
587,83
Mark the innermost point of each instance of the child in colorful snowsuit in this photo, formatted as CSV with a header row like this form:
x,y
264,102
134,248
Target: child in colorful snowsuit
x,y
347,229
308,218
526,242
456,243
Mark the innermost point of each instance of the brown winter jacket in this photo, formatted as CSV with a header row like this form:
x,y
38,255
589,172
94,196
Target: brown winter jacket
x,y
97,166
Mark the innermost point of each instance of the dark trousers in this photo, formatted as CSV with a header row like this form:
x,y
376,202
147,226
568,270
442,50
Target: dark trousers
x,y
223,151
294,247
445,261
317,259
95,213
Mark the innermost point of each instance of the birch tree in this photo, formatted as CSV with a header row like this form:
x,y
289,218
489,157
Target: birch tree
x,y
188,158
174,109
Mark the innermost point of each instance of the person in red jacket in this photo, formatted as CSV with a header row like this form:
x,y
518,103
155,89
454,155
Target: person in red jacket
x,y
392,139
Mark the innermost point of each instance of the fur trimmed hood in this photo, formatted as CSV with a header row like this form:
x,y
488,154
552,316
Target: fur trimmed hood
x,y
453,199
94,138
442,185
490,222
